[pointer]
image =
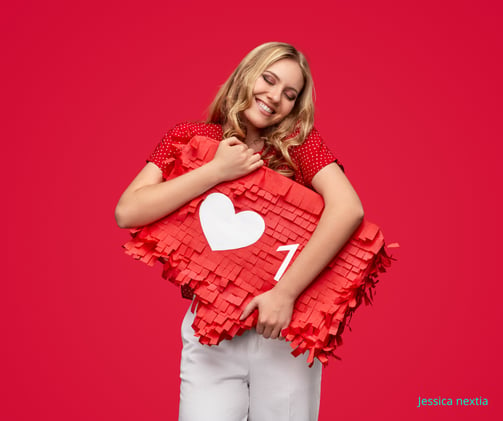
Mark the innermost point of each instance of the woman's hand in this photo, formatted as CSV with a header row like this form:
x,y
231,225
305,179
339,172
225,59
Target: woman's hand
x,y
234,159
341,215
274,312
149,198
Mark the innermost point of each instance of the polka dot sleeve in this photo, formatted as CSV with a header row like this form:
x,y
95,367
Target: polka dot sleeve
x,y
310,157
181,134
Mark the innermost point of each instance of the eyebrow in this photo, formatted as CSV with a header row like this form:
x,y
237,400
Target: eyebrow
x,y
277,77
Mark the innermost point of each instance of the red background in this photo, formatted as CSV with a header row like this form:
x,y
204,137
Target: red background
x,y
409,98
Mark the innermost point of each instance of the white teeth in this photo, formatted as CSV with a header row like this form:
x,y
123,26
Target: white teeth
x,y
265,107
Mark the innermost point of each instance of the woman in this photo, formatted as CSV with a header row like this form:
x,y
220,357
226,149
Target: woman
x,y
262,115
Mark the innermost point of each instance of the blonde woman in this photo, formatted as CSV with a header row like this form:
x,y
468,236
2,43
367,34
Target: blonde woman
x,y
262,115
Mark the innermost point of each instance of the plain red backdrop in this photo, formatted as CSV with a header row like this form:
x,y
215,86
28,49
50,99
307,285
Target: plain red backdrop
x,y
408,95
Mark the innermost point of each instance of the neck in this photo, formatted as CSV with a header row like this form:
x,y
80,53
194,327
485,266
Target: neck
x,y
253,138
252,135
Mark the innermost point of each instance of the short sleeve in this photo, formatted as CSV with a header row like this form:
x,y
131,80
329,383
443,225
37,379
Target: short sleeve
x,y
181,134
311,157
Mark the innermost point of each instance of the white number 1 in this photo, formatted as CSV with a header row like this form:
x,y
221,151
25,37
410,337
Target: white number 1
x,y
292,248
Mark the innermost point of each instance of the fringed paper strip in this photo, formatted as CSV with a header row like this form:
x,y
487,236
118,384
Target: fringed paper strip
x,y
223,282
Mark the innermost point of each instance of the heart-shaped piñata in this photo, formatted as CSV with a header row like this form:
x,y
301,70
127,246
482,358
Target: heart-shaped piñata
x,y
226,273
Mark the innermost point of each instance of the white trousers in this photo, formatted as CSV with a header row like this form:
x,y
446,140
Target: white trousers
x,y
246,378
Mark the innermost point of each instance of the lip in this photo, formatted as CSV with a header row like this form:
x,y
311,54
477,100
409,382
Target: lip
x,y
262,110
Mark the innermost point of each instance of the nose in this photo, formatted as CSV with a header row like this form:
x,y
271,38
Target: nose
x,y
274,93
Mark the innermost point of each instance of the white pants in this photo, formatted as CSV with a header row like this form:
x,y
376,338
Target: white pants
x,y
246,378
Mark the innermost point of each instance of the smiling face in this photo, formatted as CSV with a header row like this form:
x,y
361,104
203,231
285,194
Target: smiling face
x,y
274,95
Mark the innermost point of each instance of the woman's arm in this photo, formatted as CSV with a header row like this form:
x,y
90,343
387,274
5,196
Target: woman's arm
x,y
149,198
341,216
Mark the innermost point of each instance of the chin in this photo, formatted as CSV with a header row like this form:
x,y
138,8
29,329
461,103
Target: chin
x,y
257,121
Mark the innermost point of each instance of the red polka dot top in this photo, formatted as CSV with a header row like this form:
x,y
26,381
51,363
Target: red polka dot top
x,y
310,157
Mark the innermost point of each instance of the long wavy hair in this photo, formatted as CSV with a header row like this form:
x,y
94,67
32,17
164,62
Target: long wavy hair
x,y
235,96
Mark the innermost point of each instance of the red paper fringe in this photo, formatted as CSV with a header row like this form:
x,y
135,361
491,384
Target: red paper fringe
x,y
224,282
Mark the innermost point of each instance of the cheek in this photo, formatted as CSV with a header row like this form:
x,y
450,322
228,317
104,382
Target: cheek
x,y
288,107
260,85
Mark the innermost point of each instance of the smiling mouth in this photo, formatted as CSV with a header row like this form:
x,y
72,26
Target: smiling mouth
x,y
265,107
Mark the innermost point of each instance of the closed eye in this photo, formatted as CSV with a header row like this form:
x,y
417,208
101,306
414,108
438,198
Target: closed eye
x,y
290,96
268,79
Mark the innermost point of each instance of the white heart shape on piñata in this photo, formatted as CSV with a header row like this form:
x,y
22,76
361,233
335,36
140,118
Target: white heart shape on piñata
x,y
225,229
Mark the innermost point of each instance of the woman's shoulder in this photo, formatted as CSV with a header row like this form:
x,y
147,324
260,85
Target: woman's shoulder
x,y
188,129
314,136
312,139
311,156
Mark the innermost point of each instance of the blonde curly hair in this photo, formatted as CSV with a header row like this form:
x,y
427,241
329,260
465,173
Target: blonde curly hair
x,y
235,96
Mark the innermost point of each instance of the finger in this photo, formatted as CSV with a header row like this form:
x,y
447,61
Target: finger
x,y
252,305
239,146
256,165
275,333
267,332
234,141
260,328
